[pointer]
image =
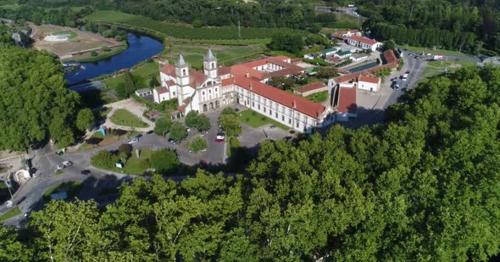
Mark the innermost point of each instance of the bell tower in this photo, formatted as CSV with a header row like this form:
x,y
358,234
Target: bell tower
x,y
210,65
182,72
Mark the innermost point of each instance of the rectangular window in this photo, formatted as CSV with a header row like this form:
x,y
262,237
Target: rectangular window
x,y
289,121
282,118
270,112
276,115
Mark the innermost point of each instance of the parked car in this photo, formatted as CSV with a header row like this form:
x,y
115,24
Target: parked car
x,y
67,163
85,172
133,140
220,137
171,141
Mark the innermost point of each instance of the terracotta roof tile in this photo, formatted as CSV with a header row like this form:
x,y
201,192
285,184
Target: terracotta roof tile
x,y
389,56
347,100
363,39
368,78
311,86
162,90
287,99
168,69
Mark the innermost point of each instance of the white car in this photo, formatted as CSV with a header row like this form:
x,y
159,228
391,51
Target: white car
x,y
220,137
67,163
133,140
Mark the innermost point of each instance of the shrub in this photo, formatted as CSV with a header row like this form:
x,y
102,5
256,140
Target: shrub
x,y
124,152
178,132
162,126
164,161
104,159
198,144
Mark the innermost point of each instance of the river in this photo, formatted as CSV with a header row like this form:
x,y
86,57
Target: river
x,y
140,48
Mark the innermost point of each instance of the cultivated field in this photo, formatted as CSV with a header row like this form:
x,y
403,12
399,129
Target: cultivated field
x,y
218,35
79,44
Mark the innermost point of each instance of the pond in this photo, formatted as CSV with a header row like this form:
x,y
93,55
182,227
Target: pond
x,y
140,48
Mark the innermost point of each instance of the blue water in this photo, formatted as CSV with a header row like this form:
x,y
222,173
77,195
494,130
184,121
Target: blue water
x,y
140,48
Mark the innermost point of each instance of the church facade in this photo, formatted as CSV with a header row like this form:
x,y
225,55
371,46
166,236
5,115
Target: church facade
x,y
243,84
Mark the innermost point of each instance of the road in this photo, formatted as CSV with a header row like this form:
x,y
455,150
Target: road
x,y
46,160
416,67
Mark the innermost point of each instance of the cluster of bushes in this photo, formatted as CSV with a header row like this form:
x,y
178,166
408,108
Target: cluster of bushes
x,y
176,130
198,144
229,121
197,121
163,161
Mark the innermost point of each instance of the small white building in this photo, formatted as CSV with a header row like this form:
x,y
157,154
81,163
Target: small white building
x,y
358,57
363,42
369,82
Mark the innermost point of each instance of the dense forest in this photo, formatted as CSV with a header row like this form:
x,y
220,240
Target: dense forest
x,y
466,25
422,186
35,103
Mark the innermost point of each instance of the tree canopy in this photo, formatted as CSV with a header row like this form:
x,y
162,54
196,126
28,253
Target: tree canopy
x,y
421,186
34,101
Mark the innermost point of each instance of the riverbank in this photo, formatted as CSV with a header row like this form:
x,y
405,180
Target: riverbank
x,y
101,55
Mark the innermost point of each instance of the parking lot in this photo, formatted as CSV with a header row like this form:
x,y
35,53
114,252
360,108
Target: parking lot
x,y
371,106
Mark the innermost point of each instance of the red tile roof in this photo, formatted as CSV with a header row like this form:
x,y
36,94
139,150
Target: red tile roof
x,y
368,78
168,69
363,39
389,56
196,78
311,86
170,83
287,99
347,100
162,90
347,78
247,69
224,70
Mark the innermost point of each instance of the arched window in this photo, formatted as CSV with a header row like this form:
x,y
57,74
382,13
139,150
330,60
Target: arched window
x,y
212,65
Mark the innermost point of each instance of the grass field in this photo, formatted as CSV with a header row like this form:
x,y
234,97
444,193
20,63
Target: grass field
x,y
134,165
10,214
433,51
101,54
226,55
256,120
318,97
436,67
183,31
71,188
123,117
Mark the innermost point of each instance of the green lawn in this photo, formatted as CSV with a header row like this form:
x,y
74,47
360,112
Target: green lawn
x,y
123,117
134,165
318,97
433,51
227,34
71,188
226,55
255,119
436,67
10,214
101,54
